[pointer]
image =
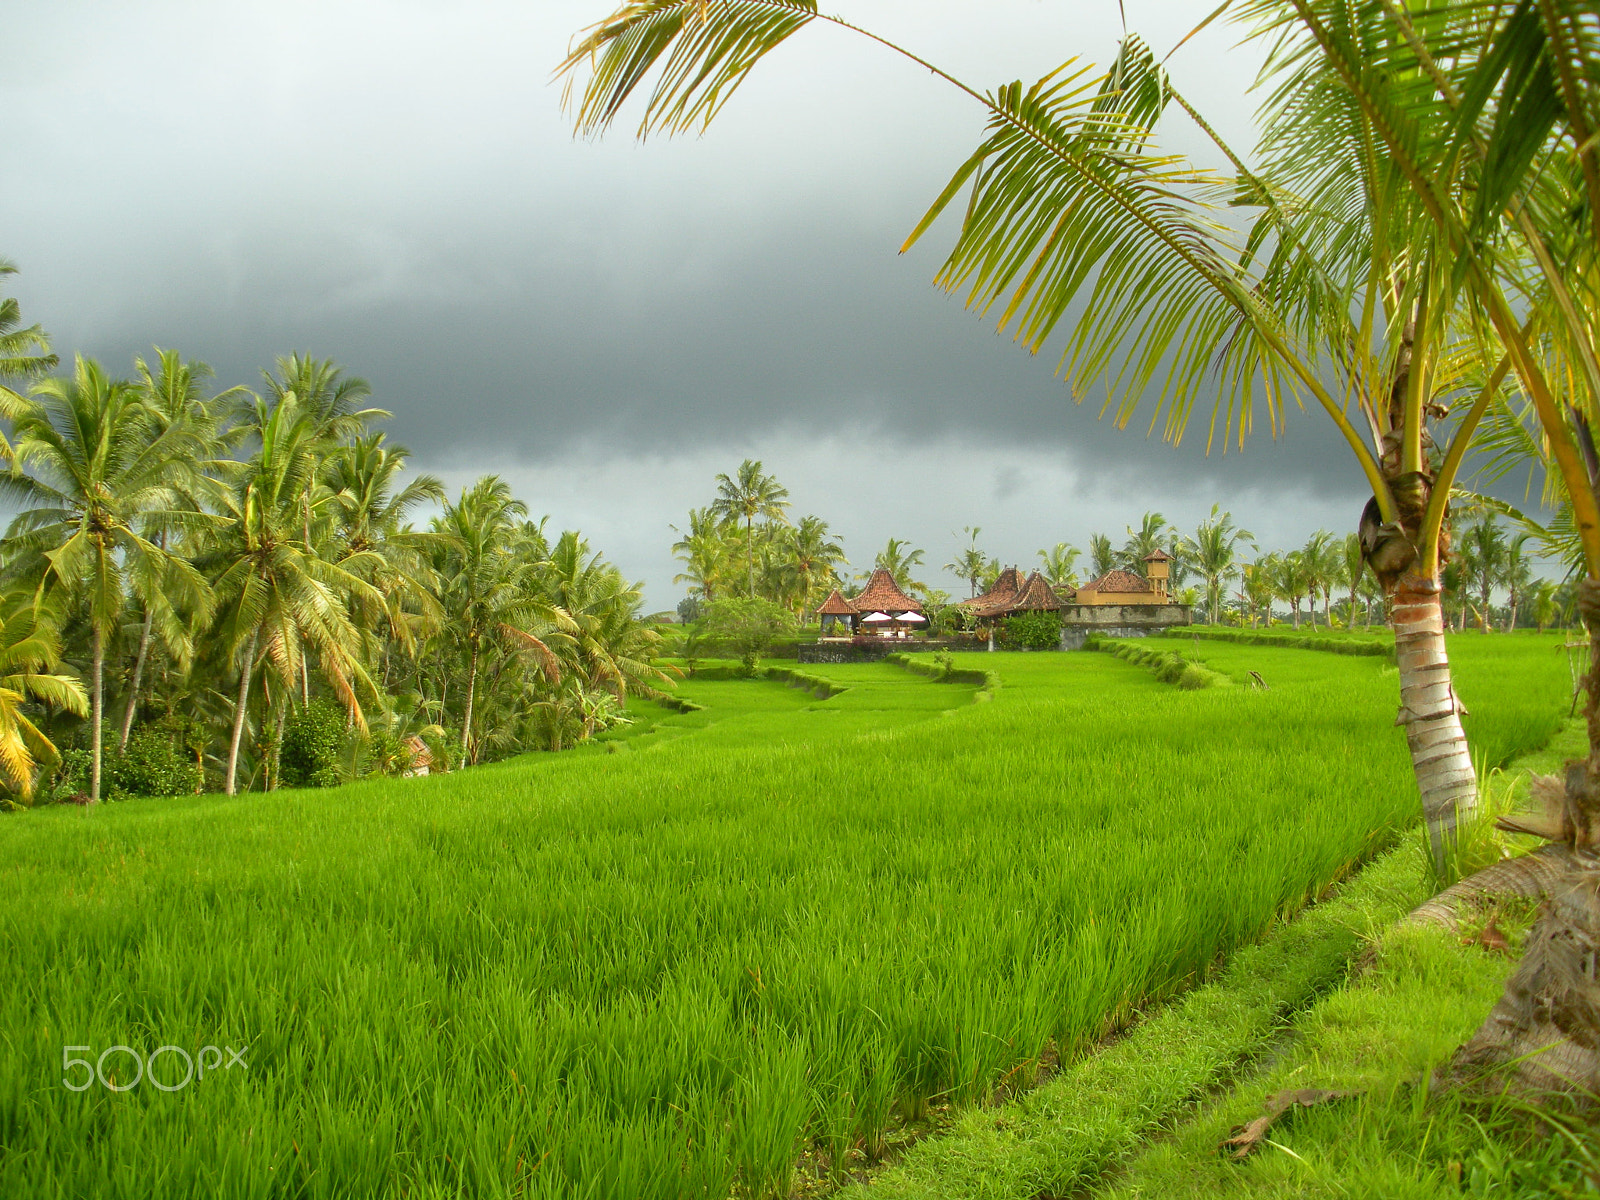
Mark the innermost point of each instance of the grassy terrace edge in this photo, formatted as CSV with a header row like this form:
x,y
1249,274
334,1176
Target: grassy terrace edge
x,y
1061,1136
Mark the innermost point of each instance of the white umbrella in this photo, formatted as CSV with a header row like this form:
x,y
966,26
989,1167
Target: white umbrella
x,y
877,616
918,617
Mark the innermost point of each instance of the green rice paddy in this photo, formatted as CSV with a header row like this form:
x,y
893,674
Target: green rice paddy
x,y
667,964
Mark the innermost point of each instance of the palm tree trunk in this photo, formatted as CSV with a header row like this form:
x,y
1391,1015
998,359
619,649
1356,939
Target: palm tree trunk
x,y
472,690
238,713
1431,715
138,675
96,734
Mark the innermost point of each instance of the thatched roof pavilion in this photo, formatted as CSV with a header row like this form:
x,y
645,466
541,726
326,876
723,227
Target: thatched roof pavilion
x,y
1012,595
883,594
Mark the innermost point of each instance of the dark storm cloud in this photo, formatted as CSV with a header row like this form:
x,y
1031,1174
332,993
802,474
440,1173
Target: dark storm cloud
x,y
393,185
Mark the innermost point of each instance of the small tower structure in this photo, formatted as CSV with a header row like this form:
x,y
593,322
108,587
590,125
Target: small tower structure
x,y
1158,570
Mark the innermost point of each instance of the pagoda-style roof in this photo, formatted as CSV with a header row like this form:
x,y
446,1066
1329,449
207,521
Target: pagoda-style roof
x,y
1002,592
883,594
1118,581
1158,555
836,606
1034,595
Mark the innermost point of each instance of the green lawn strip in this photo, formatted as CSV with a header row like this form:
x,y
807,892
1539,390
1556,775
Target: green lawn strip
x,y
1061,1135
1381,1035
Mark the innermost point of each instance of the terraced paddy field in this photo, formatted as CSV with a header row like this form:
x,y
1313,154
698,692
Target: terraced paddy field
x,y
670,963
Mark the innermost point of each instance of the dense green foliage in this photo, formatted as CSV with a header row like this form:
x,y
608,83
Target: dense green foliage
x,y
244,569
1032,631
741,931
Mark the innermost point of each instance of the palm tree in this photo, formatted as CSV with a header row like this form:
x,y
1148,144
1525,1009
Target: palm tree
x,y
1214,550
1258,582
367,506
1516,575
749,494
1322,560
1544,603
612,650
1352,569
24,351
30,649
1142,543
816,556
1058,562
970,563
1102,557
490,593
1483,553
99,469
703,551
899,558
278,596
173,392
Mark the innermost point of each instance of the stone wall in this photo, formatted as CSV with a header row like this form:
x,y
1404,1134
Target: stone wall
x,y
1078,621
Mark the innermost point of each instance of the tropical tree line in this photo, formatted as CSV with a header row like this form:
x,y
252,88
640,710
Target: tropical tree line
x,y
235,589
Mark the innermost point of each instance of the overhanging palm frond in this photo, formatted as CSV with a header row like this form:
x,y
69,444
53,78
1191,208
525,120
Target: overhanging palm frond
x,y
1070,209
704,50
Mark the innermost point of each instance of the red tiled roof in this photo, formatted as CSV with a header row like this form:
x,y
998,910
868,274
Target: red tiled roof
x,y
836,606
1118,581
421,756
1036,595
882,594
1158,555
1003,591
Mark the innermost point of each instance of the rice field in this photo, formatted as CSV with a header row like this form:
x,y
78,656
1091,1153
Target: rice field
x,y
667,964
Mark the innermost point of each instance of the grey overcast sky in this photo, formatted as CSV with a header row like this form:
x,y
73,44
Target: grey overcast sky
x,y
392,183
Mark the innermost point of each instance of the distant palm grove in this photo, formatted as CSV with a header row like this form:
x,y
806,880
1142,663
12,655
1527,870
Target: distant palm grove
x,y
744,545
229,591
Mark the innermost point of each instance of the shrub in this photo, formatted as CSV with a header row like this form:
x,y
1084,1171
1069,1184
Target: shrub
x,y
744,628
152,764
312,739
1033,631
690,609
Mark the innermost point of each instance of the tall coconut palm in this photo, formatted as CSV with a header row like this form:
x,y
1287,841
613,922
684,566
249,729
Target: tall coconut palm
x,y
98,469
1142,542
368,503
703,550
610,648
24,352
900,558
1214,550
30,653
1057,563
278,596
1102,557
1516,575
970,562
747,494
174,393
1322,560
1483,552
491,594
816,556
1352,567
